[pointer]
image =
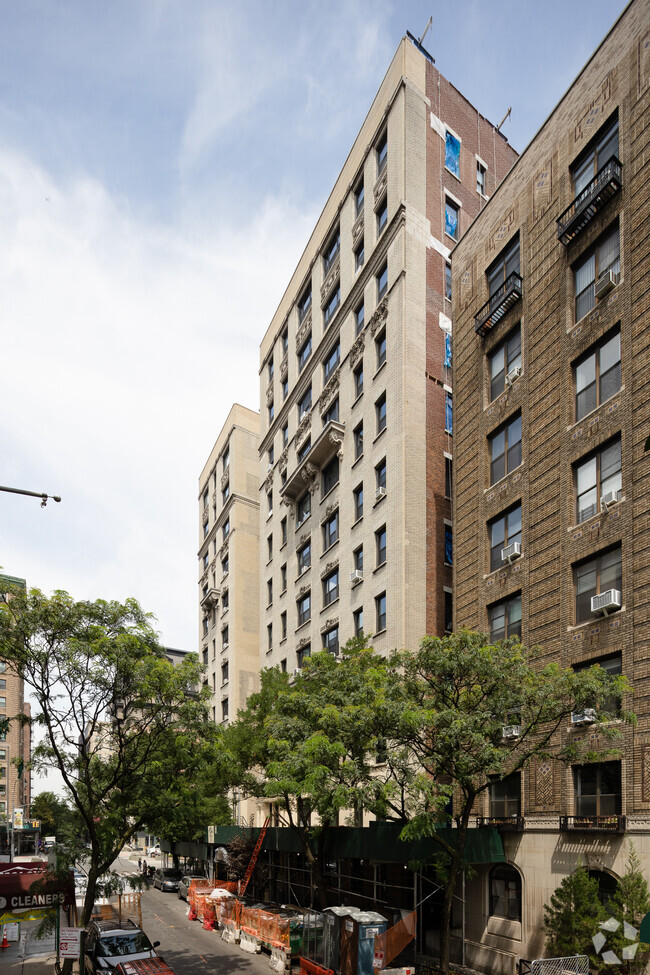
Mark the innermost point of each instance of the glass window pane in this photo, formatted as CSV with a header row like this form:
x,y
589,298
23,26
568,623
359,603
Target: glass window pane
x,y
452,154
586,373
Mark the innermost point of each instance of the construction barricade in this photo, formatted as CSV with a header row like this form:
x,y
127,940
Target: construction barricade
x,y
143,966
229,920
198,887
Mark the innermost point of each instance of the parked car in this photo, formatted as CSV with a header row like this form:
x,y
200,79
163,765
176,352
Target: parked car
x,y
153,851
184,884
167,878
153,966
112,941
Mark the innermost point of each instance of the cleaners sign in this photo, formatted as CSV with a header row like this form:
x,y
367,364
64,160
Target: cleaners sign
x,y
16,880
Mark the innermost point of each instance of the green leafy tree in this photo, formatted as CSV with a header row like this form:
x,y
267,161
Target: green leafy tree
x,y
54,814
126,730
629,903
572,916
311,744
457,695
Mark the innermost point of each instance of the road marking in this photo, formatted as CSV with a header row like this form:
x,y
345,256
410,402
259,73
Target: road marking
x,y
204,960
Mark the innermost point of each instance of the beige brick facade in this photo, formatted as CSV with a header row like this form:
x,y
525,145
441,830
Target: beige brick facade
x,y
570,430
15,793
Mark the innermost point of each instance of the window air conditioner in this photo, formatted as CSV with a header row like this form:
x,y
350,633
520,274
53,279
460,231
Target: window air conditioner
x,y
513,376
380,493
511,552
511,731
269,467
356,576
606,602
605,283
587,716
610,498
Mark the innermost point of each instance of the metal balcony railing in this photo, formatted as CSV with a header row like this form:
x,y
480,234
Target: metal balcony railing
x,y
593,198
592,824
511,824
498,304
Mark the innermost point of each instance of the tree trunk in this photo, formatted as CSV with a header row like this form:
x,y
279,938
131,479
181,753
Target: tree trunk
x,y
455,870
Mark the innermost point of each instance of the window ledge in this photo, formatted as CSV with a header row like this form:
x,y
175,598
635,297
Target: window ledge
x,y
379,500
283,592
357,399
595,620
381,565
381,367
283,640
328,550
270,515
590,414
303,625
380,434
379,632
299,524
354,464
503,479
269,560
331,490
357,522
327,608
301,575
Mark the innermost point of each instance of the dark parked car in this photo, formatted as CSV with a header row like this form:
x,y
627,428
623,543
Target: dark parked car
x,y
184,884
166,878
110,942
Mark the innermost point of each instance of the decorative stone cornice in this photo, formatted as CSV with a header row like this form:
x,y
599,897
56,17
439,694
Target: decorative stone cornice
x,y
356,349
336,439
225,477
302,332
301,644
304,538
282,462
205,515
269,394
303,427
331,508
303,592
284,367
332,276
379,317
328,624
380,187
309,475
223,551
330,567
357,229
268,483
331,388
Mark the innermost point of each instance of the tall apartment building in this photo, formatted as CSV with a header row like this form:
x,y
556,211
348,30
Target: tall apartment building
x,y
551,305
15,791
228,564
355,426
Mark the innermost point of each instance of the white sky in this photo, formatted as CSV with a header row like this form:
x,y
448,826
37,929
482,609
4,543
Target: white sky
x,y
157,157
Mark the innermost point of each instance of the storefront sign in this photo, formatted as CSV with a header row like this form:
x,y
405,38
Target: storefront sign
x,y
69,942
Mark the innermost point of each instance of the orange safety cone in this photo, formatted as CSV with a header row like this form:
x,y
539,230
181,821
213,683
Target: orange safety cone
x,y
5,943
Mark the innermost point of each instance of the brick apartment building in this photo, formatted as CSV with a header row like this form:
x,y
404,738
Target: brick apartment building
x,y
15,791
356,383
551,305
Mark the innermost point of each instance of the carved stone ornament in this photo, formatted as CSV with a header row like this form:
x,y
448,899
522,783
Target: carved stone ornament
x,y
224,478
288,503
380,316
303,590
331,508
214,497
357,229
303,427
330,567
268,483
223,551
332,385
302,332
269,394
380,186
284,367
206,514
356,349
328,624
301,644
304,538
309,475
330,280
336,439
213,564
282,462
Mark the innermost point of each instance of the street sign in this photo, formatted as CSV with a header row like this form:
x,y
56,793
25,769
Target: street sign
x,y
70,942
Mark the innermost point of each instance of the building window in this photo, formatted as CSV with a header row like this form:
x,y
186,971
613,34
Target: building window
x,y
269,592
285,434
598,789
304,404
331,414
480,178
285,388
331,588
283,529
449,544
269,545
224,638
358,198
358,381
380,612
504,358
283,625
382,216
598,375
448,476
357,497
206,496
331,252
380,474
382,153
505,449
269,636
358,441
605,257
304,557
505,797
269,503
271,412
449,414
284,341
359,255
357,621
303,508
452,153
225,565
224,673
303,450
331,641
606,146
270,369
505,893
304,304
330,531
304,609
448,281
224,709
380,545
225,599
226,459
506,264
225,531
302,654
380,413
206,529
357,557
380,348
594,576
331,306
505,618
330,476
225,494
283,578
449,611
613,666
504,530
452,219
304,352
596,476
382,282
206,560
359,318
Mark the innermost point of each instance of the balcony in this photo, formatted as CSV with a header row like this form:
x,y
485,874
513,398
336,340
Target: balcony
x,y
508,824
498,304
592,824
328,443
593,198
210,599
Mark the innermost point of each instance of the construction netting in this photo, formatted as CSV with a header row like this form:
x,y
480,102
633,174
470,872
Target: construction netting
x,y
389,944
120,906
